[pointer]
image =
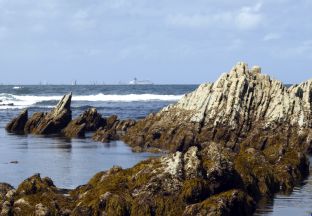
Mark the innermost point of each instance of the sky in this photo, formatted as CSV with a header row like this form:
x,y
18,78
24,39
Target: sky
x,y
165,41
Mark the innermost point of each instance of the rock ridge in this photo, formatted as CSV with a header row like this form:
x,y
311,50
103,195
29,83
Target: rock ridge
x,y
240,103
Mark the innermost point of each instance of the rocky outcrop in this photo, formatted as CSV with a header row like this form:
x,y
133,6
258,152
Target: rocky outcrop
x,y
213,180
17,124
90,120
36,196
240,105
113,129
58,121
43,123
52,122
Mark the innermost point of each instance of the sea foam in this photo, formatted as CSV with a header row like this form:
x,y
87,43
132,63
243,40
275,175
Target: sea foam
x,y
22,101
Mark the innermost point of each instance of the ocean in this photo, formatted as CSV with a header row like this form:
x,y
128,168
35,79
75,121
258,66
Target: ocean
x,y
72,162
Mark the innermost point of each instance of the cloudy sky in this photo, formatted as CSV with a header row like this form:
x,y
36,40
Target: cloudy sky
x,y
166,41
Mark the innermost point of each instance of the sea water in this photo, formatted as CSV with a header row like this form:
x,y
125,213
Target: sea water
x,y
72,162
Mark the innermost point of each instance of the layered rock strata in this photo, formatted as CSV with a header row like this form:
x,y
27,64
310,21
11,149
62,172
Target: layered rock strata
x,y
90,120
43,123
59,121
17,124
238,139
113,129
241,105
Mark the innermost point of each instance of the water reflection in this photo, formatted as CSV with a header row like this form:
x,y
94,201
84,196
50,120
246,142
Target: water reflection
x,y
299,202
69,162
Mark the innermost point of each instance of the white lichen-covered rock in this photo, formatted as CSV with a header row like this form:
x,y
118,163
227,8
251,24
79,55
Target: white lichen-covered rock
x,y
244,96
192,164
241,108
173,164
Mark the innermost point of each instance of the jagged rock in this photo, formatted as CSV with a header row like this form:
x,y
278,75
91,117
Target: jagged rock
x,y
6,209
105,135
90,120
17,124
34,196
234,202
33,122
41,210
167,186
52,122
35,184
4,189
240,138
238,105
74,129
113,129
211,180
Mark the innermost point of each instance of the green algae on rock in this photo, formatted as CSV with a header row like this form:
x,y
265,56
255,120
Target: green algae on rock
x,y
213,180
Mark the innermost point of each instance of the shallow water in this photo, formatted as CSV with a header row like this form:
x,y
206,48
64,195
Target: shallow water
x,y
72,162
68,162
299,202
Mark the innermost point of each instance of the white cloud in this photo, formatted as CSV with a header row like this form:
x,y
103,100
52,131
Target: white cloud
x,y
245,18
235,44
3,32
38,28
199,20
304,48
249,17
271,36
93,52
82,20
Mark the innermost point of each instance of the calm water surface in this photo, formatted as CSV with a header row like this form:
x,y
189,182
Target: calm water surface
x,y
299,202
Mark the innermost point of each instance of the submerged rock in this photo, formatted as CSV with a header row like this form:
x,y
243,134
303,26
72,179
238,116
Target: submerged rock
x,y
17,124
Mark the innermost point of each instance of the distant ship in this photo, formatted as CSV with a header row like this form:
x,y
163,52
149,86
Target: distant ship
x,y
135,81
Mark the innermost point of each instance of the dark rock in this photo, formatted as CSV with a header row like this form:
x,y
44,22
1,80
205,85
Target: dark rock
x,y
33,122
17,124
74,129
105,135
4,189
35,184
52,122
233,202
110,121
90,120
14,162
114,129
167,186
36,196
210,180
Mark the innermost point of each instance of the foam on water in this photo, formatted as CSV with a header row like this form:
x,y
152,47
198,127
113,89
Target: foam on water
x,y
22,101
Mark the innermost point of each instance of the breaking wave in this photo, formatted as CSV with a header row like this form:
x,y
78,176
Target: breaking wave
x,y
22,101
